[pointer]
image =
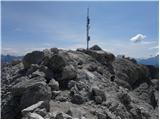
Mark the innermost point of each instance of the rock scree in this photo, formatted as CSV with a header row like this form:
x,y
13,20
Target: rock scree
x,y
83,84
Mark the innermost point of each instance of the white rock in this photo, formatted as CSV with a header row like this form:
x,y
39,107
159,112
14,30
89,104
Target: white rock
x,y
32,107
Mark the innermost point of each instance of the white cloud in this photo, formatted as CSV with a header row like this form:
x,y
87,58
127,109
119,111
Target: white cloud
x,y
138,38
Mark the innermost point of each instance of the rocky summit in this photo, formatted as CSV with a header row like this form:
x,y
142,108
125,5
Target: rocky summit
x,y
91,84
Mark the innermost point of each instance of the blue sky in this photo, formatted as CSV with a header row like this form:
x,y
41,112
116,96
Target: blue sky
x,y
28,26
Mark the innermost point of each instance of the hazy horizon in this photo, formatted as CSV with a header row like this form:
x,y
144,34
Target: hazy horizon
x,y
129,28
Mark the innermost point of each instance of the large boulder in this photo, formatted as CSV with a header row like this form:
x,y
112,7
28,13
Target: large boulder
x,y
31,91
100,55
68,73
25,83
56,63
95,47
35,57
10,108
130,72
38,92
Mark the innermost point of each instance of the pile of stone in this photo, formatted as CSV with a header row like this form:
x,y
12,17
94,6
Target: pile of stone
x,y
60,84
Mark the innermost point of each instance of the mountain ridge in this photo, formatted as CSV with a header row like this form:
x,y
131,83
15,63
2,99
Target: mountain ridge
x,y
150,61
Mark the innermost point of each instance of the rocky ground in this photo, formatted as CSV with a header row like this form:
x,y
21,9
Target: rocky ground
x,y
60,84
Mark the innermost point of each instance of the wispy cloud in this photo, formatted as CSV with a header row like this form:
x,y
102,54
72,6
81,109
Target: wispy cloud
x,y
148,42
155,47
138,38
10,51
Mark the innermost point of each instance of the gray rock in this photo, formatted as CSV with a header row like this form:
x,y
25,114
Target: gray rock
x,y
41,112
98,92
19,88
91,67
123,83
101,116
68,73
55,93
48,73
38,73
54,85
38,92
54,50
32,68
101,56
130,72
95,47
146,93
61,115
71,84
98,99
56,63
47,53
77,99
155,83
32,108
109,115
50,115
61,98
34,57
10,107
125,99
75,112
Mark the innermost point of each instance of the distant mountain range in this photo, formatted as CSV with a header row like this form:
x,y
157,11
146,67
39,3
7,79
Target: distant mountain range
x,y
150,61
9,58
